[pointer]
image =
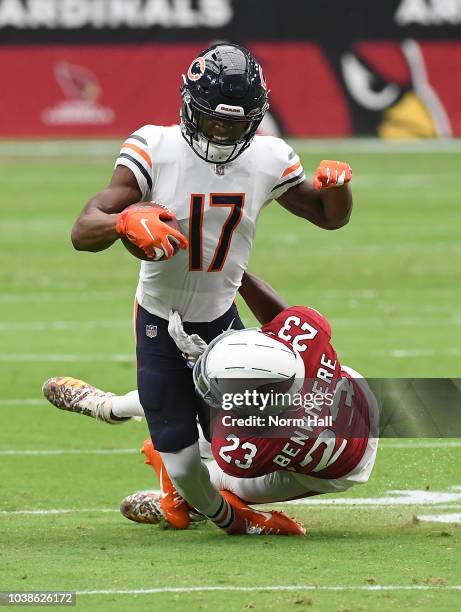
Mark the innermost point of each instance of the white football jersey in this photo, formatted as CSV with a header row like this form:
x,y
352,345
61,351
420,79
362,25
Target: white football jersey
x,y
217,208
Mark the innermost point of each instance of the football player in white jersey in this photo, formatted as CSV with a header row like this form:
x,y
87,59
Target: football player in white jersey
x,y
215,176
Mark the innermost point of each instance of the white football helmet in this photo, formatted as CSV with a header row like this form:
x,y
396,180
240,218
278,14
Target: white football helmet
x,y
249,360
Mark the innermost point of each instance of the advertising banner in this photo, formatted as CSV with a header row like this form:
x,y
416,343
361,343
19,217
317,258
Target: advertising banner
x,y
105,67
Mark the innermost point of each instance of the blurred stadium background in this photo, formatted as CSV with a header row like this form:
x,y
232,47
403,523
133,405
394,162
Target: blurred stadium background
x,y
375,84
96,68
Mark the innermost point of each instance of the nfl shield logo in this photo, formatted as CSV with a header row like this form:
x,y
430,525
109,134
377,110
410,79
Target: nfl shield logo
x,y
151,331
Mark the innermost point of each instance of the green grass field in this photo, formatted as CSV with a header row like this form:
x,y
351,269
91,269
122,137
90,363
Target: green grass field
x,y
390,283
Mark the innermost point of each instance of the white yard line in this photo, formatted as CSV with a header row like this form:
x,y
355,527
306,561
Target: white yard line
x,y
47,512
32,401
439,500
405,353
397,353
68,451
104,148
377,503
71,296
383,181
127,451
439,444
390,320
59,148
396,244
88,295
401,353
376,145
32,326
67,357
441,518
359,506
290,587
338,506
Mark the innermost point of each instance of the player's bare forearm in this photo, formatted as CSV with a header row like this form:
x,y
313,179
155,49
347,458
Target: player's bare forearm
x,y
95,228
262,299
327,208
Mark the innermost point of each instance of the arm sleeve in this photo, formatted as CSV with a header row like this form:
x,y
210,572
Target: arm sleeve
x,y
135,155
291,170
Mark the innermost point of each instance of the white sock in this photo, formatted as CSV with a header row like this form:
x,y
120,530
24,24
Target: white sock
x,y
127,405
204,445
192,480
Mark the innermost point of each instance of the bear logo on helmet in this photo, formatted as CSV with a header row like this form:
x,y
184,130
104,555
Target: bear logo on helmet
x,y
196,69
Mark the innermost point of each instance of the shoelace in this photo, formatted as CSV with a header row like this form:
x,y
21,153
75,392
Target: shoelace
x,y
99,410
99,407
252,529
79,396
177,499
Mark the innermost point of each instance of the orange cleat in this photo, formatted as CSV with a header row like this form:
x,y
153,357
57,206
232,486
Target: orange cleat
x,y
256,522
174,508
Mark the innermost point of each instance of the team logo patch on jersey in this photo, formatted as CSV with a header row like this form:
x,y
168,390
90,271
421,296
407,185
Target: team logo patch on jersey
x,y
151,331
196,69
219,169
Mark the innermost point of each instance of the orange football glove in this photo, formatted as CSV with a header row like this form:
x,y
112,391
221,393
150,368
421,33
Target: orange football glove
x,y
144,227
331,174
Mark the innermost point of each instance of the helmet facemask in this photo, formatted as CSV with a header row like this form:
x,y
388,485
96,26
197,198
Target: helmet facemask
x,y
199,374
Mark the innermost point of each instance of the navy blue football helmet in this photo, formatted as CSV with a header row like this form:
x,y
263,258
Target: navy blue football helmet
x,y
225,98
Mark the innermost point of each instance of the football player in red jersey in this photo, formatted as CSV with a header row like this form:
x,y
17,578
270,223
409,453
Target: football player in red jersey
x,y
262,465
336,445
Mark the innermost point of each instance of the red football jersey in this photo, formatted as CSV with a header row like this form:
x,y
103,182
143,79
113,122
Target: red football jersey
x,y
332,446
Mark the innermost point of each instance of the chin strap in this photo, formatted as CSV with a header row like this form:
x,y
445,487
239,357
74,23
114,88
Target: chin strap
x,y
190,346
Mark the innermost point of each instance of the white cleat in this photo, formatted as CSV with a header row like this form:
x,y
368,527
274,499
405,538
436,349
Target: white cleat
x,y
76,395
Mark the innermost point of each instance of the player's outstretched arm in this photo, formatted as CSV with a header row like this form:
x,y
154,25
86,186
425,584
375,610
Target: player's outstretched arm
x,y
95,228
262,299
327,202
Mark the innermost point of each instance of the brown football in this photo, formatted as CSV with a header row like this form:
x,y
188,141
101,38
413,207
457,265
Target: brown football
x,y
135,250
